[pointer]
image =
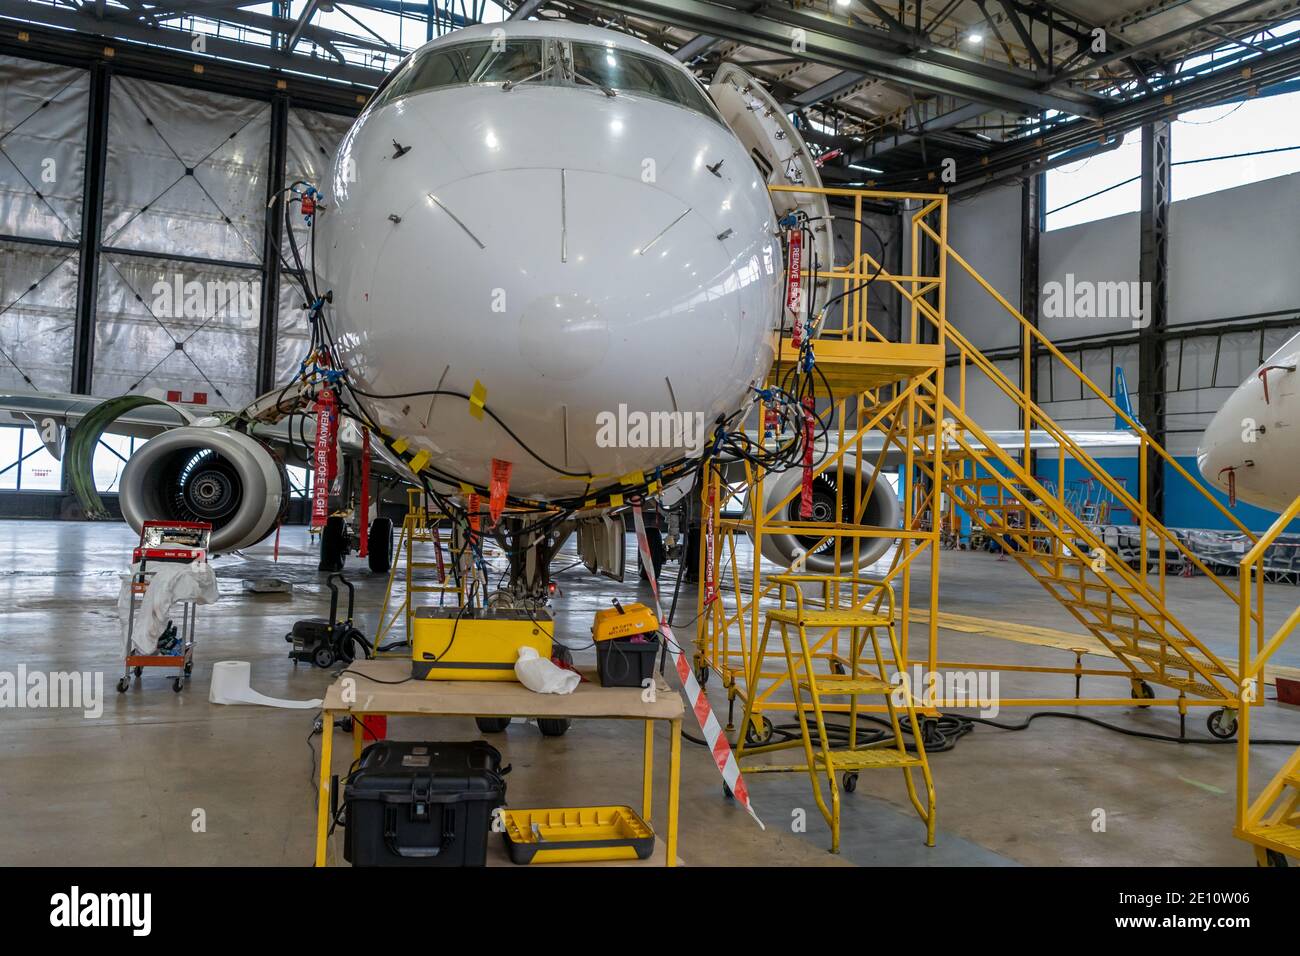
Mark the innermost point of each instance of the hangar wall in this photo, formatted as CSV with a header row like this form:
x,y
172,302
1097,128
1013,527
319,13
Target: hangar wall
x,y
1232,302
177,261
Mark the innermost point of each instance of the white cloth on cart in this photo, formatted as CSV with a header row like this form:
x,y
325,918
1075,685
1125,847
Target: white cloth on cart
x,y
169,582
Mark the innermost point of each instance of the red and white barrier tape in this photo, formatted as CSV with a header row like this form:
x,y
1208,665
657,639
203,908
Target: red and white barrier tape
x,y
713,735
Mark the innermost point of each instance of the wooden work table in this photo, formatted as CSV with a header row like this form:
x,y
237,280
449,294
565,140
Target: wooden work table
x,y
383,687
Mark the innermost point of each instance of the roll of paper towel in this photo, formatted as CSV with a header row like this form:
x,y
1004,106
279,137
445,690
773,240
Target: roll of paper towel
x,y
231,684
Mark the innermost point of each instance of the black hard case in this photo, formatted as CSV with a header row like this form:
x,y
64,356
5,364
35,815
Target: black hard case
x,y
422,804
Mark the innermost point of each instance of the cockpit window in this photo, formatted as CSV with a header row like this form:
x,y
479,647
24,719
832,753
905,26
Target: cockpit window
x,y
620,70
537,60
485,61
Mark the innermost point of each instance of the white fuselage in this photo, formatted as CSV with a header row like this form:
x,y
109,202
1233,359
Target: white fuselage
x,y
568,250
1258,436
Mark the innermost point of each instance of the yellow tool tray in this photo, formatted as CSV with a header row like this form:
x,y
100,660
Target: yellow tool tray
x,y
577,834
451,643
631,619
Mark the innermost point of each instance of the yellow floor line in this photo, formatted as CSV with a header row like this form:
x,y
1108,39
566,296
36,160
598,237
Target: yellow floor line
x,y
1049,637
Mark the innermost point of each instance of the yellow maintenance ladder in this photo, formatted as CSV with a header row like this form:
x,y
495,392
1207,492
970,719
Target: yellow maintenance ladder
x,y
853,681
419,527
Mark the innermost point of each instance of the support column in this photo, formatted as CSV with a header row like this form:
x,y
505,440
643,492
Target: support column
x,y
270,312
1031,230
1157,169
92,211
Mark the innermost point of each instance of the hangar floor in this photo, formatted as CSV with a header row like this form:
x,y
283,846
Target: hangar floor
x,y
122,789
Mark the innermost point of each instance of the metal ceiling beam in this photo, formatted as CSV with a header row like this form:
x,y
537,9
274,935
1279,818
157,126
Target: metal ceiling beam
x,y
299,25
1030,154
128,28
827,88
824,40
946,121
526,9
693,48
1158,41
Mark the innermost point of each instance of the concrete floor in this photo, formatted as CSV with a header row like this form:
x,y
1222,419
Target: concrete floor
x,y
126,788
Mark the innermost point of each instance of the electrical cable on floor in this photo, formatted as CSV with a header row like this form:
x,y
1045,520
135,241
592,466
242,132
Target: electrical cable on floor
x,y
1127,731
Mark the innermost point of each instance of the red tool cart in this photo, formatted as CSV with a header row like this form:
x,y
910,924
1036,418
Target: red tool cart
x,y
165,542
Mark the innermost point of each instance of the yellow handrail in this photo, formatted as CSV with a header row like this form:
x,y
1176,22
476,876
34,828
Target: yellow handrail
x,y
1252,671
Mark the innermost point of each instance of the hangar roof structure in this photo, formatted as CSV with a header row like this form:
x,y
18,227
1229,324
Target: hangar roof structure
x,y
885,90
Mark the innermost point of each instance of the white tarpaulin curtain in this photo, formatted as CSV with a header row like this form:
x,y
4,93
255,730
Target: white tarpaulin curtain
x,y
186,173
42,154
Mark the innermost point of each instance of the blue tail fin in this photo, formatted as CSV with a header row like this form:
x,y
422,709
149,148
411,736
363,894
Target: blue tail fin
x,y
1123,401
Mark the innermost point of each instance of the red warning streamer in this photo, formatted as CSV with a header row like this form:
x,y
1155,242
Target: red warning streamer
x,y
806,493
794,283
499,488
323,458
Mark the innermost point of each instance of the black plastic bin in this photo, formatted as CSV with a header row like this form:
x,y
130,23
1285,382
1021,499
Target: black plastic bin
x,y
626,662
422,804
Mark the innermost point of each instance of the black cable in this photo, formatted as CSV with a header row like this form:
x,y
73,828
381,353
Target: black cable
x,y
1127,731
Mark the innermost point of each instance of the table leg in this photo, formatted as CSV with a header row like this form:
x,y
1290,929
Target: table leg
x,y
323,800
674,788
648,773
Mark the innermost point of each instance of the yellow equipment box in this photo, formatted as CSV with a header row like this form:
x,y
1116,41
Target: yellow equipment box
x,y
619,621
576,834
452,643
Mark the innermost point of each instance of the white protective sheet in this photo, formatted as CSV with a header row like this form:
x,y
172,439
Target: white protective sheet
x,y
168,584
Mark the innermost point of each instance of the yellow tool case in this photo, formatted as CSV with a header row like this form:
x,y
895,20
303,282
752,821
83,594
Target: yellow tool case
x,y
576,835
453,643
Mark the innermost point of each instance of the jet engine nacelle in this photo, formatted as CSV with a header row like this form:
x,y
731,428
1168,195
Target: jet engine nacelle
x,y
883,510
207,473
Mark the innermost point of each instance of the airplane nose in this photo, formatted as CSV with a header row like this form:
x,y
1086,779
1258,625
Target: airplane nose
x,y
556,273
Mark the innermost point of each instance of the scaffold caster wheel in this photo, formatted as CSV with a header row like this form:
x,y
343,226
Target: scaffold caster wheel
x,y
702,674
1143,691
726,793
1222,724
178,684
123,683
758,738
850,782
1273,858
838,669
138,671
553,726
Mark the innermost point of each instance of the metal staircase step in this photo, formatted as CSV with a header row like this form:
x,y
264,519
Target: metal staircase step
x,y
867,759
833,618
1281,836
835,684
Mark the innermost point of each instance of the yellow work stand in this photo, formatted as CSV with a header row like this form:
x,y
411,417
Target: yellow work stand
x,y
377,688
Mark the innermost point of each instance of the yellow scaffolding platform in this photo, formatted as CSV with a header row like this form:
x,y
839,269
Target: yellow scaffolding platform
x,y
898,390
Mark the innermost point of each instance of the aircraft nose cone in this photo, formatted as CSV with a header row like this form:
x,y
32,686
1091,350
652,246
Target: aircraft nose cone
x,y
563,335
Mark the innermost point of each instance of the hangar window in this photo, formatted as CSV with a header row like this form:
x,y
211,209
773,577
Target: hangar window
x,y
25,465
634,73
